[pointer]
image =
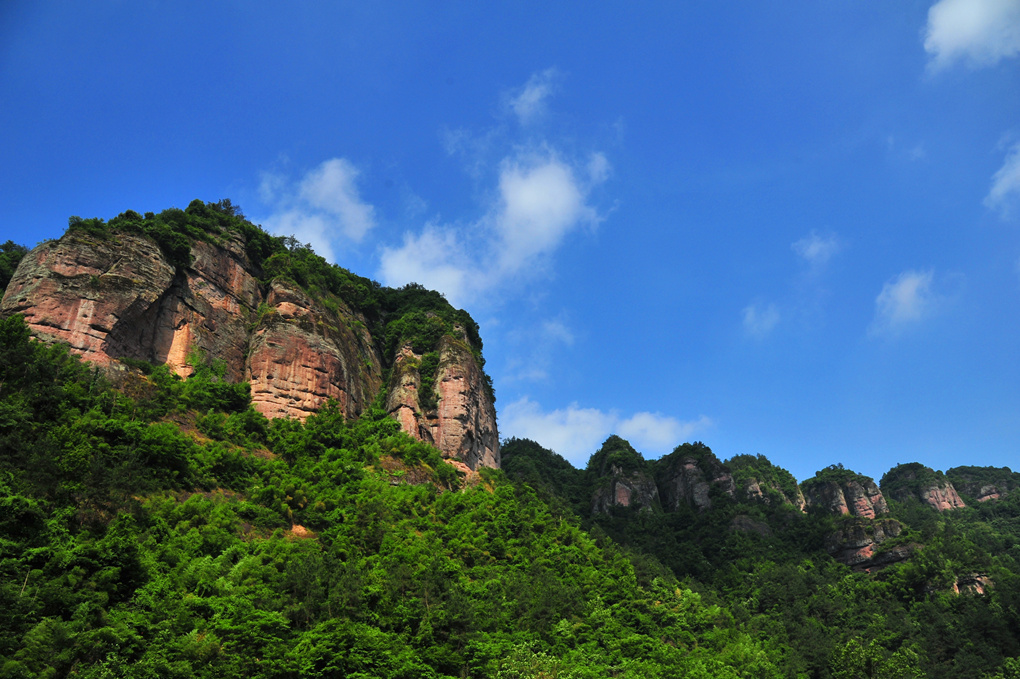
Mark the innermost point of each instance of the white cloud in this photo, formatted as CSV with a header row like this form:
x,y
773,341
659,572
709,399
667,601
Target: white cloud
x,y
435,259
980,32
758,321
557,331
323,208
541,200
1005,191
575,432
659,433
904,301
528,104
815,249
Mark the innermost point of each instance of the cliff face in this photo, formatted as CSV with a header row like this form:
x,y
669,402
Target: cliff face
x,y
688,479
463,422
914,481
984,483
625,490
857,543
119,297
300,354
855,497
755,491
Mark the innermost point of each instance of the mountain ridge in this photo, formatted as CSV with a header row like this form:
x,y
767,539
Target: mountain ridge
x,y
205,284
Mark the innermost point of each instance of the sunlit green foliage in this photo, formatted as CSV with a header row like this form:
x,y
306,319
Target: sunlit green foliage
x,y
768,564
180,534
10,255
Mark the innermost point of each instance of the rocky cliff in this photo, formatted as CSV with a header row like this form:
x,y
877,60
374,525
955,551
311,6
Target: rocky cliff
x,y
758,481
914,481
112,294
451,410
846,493
984,483
688,476
858,543
619,477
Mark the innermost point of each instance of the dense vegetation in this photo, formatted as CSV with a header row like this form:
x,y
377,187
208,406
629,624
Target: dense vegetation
x,y
174,532
164,528
10,255
769,564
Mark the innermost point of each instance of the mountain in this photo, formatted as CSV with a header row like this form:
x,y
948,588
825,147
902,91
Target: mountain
x,y
221,456
200,284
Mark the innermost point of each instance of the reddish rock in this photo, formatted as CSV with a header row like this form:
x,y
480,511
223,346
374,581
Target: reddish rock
x,y
80,289
942,498
687,478
118,297
856,496
624,490
914,481
975,584
857,543
301,354
987,493
463,424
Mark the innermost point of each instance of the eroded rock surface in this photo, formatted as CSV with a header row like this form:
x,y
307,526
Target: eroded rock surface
x,y
857,497
754,491
624,490
857,543
120,298
463,422
689,479
300,355
914,481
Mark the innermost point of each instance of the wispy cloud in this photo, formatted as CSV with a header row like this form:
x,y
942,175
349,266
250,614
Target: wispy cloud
x,y
323,208
979,32
540,197
535,349
759,321
1004,195
575,432
903,302
528,103
817,249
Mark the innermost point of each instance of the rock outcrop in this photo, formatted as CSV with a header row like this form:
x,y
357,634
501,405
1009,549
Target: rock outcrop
x,y
457,417
300,354
625,490
689,474
119,297
914,481
984,483
857,543
764,493
855,495
620,477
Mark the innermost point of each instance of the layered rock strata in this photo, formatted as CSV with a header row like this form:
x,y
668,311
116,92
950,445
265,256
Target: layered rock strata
x,y
857,497
625,490
463,424
856,543
689,479
119,298
914,481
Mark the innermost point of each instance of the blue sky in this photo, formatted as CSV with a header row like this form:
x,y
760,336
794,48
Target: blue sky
x,y
784,228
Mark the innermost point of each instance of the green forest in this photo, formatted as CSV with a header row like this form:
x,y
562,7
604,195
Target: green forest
x,y
165,528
